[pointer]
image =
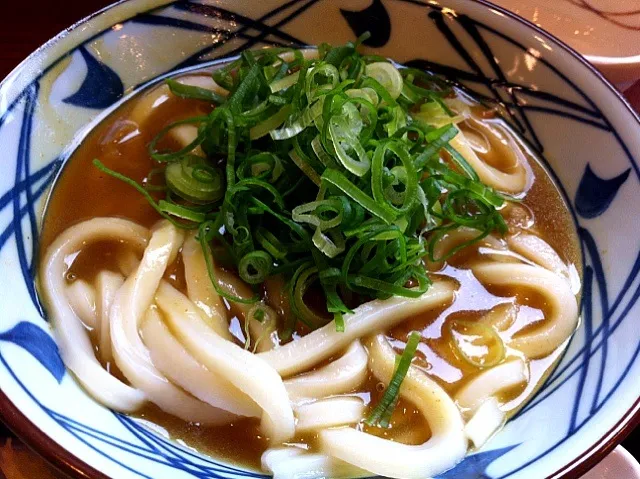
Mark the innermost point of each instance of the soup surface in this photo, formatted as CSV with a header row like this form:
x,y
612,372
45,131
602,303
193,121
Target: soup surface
x,y
452,350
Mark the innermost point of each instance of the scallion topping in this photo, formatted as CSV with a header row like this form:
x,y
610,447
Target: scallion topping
x,y
335,172
381,414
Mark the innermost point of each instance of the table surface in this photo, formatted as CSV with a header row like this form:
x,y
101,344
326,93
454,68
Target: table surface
x,y
26,26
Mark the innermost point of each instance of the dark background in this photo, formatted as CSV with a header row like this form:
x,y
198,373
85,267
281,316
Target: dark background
x,y
27,25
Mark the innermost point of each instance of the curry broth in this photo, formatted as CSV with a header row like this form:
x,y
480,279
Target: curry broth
x,y
83,192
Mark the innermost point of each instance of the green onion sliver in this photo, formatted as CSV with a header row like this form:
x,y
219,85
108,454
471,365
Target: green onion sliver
x,y
331,243
381,414
478,335
324,214
306,168
438,139
462,163
304,277
283,83
270,124
142,190
195,92
181,212
387,75
347,187
195,181
345,142
408,176
255,267
203,232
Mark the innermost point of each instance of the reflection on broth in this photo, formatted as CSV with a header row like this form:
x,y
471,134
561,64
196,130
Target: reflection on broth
x,y
491,325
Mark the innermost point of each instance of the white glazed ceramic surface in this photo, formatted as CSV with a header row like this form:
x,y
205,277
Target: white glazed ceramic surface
x,y
590,139
606,32
617,465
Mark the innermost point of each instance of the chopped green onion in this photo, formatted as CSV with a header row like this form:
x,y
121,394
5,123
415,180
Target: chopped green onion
x,y
329,171
406,174
270,243
300,283
195,92
324,214
141,189
325,158
344,142
174,209
339,320
293,126
387,75
439,139
270,124
313,88
195,181
476,335
381,414
285,82
174,155
340,181
306,168
462,163
255,267
331,243
203,232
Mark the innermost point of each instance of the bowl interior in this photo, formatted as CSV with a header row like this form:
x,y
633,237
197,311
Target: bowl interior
x,y
587,136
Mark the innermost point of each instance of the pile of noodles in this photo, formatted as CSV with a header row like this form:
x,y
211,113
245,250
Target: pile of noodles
x,y
175,349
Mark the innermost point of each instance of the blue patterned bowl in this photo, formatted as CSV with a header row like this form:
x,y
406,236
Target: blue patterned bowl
x,y
588,135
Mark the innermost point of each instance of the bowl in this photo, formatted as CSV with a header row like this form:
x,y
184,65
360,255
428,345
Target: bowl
x,y
605,32
584,130
617,464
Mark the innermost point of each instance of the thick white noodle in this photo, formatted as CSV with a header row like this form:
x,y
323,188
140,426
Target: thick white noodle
x,y
538,251
296,463
200,290
340,376
246,371
184,135
461,235
107,285
82,298
203,294
516,179
501,317
562,316
490,382
277,297
307,53
485,422
263,333
127,262
446,447
130,353
173,360
75,347
330,412
377,315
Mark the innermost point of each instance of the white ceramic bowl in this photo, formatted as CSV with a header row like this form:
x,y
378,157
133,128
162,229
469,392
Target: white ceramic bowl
x,y
583,128
606,32
617,465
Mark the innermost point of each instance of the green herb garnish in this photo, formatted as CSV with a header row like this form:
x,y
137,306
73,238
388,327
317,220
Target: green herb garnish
x,y
381,414
326,170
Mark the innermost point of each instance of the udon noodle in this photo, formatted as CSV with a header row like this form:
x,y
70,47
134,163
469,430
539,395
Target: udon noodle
x,y
140,323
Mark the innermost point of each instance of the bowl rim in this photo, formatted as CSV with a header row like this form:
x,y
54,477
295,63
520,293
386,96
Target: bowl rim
x,y
73,466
